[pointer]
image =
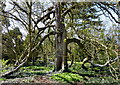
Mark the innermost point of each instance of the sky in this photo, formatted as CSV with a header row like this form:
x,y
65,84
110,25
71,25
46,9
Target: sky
x,y
106,21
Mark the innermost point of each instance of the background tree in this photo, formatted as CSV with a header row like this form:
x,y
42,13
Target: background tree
x,y
12,45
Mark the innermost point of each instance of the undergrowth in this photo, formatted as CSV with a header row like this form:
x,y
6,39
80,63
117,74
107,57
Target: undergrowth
x,y
93,75
67,77
77,74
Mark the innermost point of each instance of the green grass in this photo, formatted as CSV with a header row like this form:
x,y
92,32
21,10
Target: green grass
x,y
78,74
91,76
78,69
102,80
33,70
2,71
2,79
67,77
37,68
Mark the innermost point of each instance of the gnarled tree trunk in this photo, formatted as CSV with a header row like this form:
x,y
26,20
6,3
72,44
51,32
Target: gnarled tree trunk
x,y
59,37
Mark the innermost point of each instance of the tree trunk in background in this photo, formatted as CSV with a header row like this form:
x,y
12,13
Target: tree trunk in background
x,y
65,52
45,59
59,37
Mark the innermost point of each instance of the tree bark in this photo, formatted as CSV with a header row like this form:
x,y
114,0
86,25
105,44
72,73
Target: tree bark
x,y
59,37
65,52
106,64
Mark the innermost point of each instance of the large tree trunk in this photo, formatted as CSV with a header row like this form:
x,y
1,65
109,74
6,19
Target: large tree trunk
x,y
59,37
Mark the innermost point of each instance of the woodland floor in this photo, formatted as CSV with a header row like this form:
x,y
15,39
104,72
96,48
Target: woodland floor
x,y
35,75
33,79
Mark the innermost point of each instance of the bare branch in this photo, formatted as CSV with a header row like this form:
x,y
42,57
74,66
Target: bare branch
x,y
109,13
76,41
104,13
21,17
43,28
68,10
19,7
106,64
44,17
14,70
13,17
40,42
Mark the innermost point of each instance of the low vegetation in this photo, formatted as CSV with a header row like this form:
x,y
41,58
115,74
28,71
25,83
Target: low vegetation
x,y
76,74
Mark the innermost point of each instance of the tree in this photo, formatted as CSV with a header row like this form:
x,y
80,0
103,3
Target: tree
x,y
60,36
26,20
12,45
82,24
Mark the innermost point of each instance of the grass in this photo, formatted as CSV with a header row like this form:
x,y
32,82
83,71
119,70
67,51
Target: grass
x,y
2,79
33,70
103,80
78,74
37,68
67,77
